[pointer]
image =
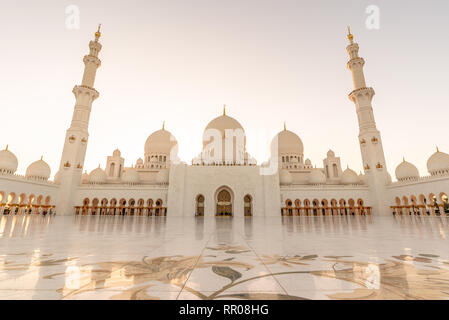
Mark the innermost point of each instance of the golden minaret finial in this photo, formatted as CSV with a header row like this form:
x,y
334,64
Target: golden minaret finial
x,y
350,36
224,110
98,33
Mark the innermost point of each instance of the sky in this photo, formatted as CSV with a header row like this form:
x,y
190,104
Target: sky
x,y
179,61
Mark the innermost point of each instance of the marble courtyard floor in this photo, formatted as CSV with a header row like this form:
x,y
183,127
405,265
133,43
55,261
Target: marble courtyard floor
x,y
107,257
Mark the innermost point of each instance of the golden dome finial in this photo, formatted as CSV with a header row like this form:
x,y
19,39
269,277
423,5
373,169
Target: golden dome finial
x,y
7,146
438,150
163,125
285,126
224,110
403,159
98,33
42,158
350,36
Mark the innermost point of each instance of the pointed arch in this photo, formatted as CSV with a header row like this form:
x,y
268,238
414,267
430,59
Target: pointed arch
x,y
224,201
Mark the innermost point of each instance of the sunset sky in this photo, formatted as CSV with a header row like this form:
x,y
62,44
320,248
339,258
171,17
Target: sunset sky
x,y
268,61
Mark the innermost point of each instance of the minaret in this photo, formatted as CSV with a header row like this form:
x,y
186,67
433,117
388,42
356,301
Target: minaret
x,y
369,137
75,144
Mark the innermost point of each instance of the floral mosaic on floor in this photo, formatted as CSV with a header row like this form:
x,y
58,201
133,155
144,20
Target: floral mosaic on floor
x,y
400,277
180,258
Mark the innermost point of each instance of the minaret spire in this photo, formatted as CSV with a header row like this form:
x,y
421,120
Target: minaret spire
x,y
75,145
369,137
98,33
224,110
350,36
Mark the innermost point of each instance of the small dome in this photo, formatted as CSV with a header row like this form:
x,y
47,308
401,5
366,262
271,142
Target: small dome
x,y
288,143
285,177
406,171
162,176
38,170
330,154
160,142
438,163
130,175
349,177
85,177
8,161
316,176
117,153
97,176
139,161
308,162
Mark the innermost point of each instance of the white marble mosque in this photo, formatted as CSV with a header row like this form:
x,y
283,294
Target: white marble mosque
x,y
223,180
223,226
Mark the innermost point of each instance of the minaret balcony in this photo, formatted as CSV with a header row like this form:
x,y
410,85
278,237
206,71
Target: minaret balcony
x,y
86,90
360,93
356,61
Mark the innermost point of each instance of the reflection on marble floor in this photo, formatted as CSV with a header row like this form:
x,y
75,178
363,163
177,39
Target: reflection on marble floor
x,y
332,257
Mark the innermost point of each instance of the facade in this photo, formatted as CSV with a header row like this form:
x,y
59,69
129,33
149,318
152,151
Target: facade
x,y
223,180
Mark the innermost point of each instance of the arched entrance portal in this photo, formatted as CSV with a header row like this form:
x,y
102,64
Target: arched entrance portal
x,y
224,203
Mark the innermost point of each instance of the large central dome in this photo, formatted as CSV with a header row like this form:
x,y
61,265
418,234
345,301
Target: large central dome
x,y
223,123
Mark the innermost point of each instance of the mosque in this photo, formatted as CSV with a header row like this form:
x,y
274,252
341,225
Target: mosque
x,y
223,180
